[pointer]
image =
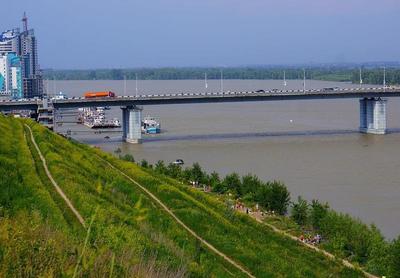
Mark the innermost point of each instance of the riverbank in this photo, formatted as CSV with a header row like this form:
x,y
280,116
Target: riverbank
x,y
313,223
129,233
371,74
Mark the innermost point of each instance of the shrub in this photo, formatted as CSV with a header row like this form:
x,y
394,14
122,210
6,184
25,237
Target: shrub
x,y
128,157
318,213
299,211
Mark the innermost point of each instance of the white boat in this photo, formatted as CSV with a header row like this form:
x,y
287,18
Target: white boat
x,y
151,125
95,117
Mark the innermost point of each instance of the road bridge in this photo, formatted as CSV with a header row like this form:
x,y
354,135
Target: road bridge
x,y
372,107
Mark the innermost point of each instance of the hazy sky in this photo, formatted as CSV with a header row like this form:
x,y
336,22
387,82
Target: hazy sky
x,y
142,33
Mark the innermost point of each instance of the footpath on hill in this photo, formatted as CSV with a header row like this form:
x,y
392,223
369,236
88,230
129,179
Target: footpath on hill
x,y
57,187
325,253
151,195
193,233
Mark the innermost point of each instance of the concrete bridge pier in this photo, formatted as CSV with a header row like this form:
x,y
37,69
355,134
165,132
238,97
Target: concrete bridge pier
x,y
132,124
373,115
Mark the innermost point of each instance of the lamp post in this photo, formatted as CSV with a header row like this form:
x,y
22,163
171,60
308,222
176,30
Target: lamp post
x,y
136,85
384,79
222,81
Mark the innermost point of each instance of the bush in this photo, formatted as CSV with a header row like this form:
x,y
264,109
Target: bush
x,y
144,163
318,213
394,259
233,184
128,157
280,197
299,211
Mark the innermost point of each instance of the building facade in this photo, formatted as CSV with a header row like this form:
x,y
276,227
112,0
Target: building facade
x,y
9,41
20,72
11,83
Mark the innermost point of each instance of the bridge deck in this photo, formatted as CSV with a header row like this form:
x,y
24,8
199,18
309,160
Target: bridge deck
x,y
184,98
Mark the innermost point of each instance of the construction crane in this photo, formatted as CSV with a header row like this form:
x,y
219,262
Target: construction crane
x,y
25,22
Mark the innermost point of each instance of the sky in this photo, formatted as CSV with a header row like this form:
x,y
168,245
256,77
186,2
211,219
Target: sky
x,y
86,34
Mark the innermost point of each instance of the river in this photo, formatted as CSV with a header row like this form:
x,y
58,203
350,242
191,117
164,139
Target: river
x,y
312,146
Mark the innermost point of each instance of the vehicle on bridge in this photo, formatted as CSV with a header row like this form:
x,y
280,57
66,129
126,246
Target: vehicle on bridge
x,y
60,95
99,94
330,89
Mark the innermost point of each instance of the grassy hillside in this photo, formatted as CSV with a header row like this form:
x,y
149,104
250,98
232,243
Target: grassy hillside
x,y
130,234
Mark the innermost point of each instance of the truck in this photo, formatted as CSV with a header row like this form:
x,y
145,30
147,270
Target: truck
x,y
99,94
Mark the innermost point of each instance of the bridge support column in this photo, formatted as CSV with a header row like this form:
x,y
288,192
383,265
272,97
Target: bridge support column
x,y
373,115
132,124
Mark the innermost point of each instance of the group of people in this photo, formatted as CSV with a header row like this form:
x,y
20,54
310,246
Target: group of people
x,y
204,187
311,239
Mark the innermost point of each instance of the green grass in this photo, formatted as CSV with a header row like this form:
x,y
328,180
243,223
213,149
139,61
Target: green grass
x,y
128,225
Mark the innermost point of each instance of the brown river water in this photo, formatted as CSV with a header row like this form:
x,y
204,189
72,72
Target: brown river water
x,y
312,146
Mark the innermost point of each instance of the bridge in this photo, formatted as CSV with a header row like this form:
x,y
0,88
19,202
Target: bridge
x,y
372,104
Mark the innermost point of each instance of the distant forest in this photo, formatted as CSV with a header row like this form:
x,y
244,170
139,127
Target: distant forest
x,y
369,75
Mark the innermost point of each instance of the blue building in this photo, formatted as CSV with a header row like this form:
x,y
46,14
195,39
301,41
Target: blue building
x,y
20,75
11,83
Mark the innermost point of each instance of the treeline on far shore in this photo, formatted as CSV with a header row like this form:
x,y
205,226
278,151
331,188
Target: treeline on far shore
x,y
342,235
370,75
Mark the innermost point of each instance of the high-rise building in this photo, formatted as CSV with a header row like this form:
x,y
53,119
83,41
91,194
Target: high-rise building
x,y
24,46
11,84
9,41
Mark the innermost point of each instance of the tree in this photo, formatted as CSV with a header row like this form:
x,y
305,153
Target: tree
x,y
92,75
174,170
232,183
186,174
378,253
280,197
318,213
144,163
263,195
249,185
395,258
128,157
197,173
214,179
116,74
160,167
300,211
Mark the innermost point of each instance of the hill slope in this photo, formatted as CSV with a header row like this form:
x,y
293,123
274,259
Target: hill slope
x,y
130,233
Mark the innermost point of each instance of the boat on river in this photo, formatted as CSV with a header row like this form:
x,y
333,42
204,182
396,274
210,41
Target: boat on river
x,y
151,125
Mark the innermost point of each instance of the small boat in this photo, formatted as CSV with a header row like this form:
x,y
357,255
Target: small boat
x,y
178,162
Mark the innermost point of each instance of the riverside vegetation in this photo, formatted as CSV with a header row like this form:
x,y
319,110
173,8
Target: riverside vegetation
x,y
370,75
344,236
129,235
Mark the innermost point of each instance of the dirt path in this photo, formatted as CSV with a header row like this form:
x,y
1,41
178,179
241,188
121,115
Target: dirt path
x,y
58,189
193,233
325,253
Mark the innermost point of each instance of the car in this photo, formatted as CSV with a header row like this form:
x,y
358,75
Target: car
x,y
260,91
